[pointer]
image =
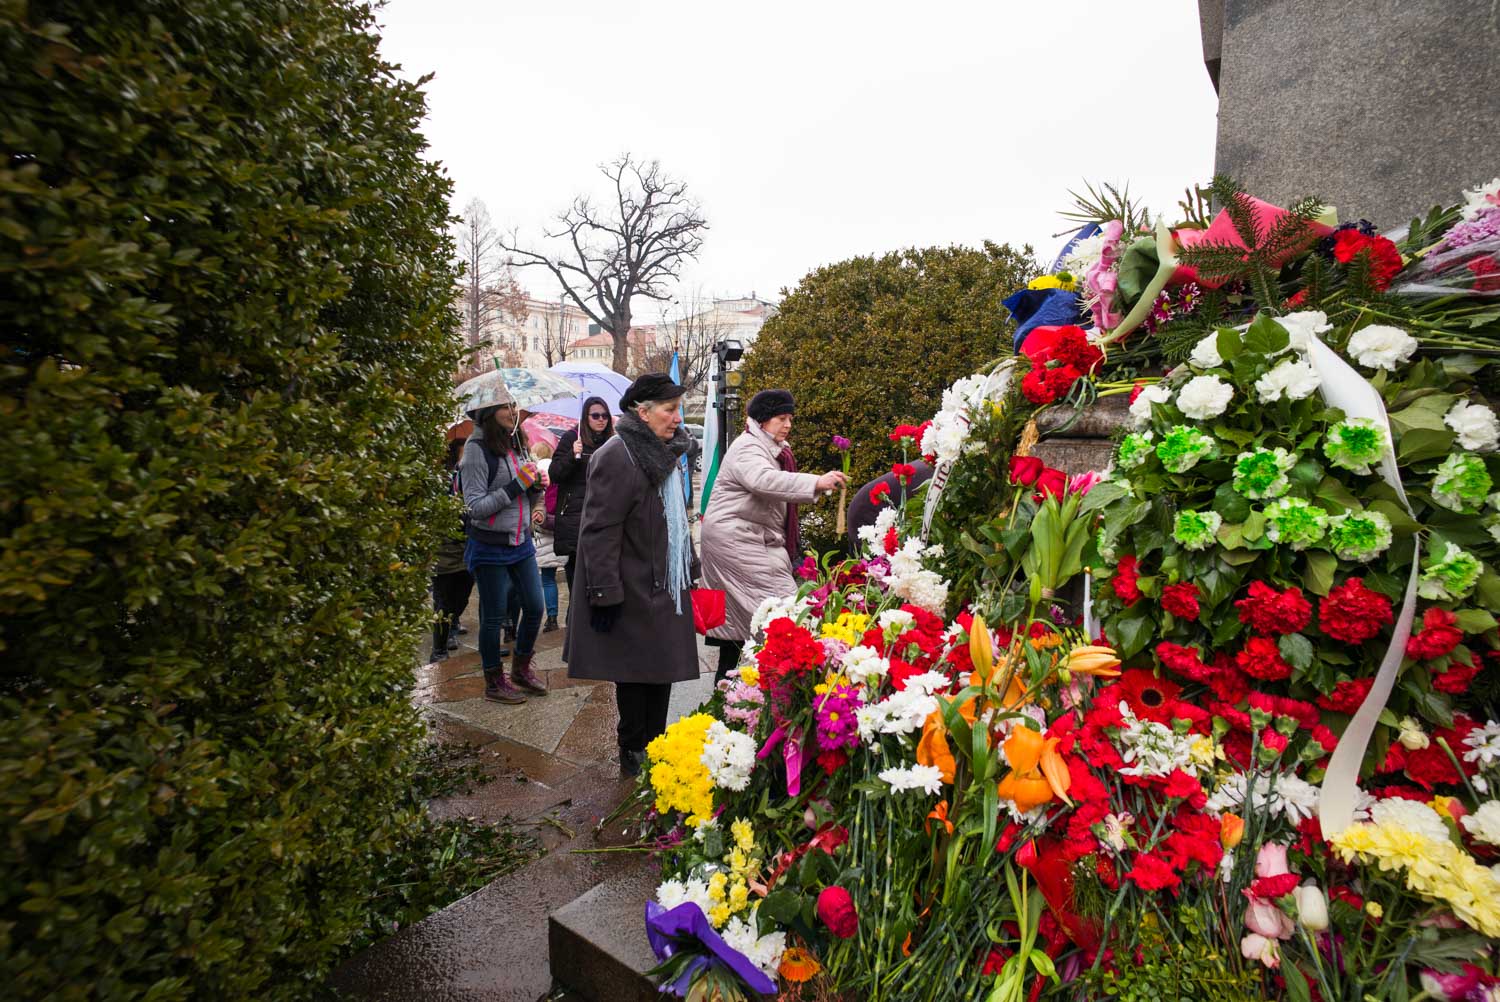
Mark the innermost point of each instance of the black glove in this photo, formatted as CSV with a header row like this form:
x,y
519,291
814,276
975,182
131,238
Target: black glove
x,y
604,617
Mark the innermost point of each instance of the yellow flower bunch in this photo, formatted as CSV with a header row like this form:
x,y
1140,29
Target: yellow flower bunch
x,y
1438,871
750,674
678,775
730,892
832,680
849,627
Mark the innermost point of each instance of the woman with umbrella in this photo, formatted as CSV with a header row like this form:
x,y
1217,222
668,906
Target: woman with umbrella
x,y
501,487
570,472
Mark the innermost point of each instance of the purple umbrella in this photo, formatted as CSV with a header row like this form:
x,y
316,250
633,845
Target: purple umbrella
x,y
597,381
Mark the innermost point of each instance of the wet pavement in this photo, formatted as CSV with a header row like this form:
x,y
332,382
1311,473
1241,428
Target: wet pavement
x,y
556,772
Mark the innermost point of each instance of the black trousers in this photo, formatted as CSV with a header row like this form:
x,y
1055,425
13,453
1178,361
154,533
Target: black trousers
x,y
568,573
729,657
450,597
643,712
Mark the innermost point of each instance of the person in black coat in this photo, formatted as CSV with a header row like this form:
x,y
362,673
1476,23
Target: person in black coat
x,y
862,512
570,472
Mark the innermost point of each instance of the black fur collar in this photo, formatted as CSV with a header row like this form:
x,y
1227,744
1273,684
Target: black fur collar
x,y
654,457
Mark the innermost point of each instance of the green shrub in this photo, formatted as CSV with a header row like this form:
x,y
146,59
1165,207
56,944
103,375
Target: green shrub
x,y
869,343
226,289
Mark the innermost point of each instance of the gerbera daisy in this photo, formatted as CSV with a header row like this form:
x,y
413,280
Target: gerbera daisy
x,y
1150,698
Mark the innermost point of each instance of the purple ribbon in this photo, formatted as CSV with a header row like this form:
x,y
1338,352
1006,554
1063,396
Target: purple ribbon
x,y
669,930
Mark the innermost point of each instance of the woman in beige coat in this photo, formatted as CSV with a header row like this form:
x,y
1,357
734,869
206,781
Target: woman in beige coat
x,y
750,541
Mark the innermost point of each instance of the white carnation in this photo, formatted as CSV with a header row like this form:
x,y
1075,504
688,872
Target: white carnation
x,y
729,757
773,608
909,579
1140,411
1411,816
1206,353
1302,327
1476,426
860,664
1296,380
1381,347
1204,397
873,535
928,778
1484,824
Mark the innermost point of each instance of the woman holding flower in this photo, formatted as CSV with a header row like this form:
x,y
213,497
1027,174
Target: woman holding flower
x,y
750,536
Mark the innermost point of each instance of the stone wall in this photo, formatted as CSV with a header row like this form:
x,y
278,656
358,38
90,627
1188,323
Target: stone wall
x,y
1085,444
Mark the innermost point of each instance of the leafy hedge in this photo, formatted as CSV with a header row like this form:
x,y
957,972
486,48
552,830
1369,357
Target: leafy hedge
x,y
226,285
868,343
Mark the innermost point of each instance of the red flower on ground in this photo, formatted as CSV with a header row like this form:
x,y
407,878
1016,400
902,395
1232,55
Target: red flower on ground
x,y
880,492
1438,636
1262,659
1383,256
1347,696
1268,611
1150,698
1127,573
1353,613
1181,600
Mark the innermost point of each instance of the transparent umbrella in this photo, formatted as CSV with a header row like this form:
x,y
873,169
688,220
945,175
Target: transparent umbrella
x,y
526,388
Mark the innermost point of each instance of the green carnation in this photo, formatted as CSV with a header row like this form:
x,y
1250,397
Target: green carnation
x,y
1355,444
1461,484
1449,577
1359,535
1262,473
1296,523
1197,530
1135,449
1182,448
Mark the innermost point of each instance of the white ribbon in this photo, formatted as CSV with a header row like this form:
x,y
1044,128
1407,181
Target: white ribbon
x,y
1346,389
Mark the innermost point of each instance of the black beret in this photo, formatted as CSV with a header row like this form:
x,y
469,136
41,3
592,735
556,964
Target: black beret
x,y
651,387
768,403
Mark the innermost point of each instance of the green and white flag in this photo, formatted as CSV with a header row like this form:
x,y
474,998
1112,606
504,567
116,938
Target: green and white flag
x,y
712,454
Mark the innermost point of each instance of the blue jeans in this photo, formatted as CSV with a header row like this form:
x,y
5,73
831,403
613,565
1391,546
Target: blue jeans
x,y
549,589
497,582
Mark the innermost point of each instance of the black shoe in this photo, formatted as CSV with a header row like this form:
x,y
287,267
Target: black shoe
x,y
440,654
631,762
550,625
452,641
505,650
462,631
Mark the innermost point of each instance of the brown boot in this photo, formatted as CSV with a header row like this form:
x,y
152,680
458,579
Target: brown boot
x,y
497,689
522,675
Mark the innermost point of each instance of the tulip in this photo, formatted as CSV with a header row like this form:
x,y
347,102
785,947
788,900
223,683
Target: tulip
x,y
1258,947
1312,907
1271,860
1093,660
1231,831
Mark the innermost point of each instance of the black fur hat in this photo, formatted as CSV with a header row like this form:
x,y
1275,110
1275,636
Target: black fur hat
x,y
768,403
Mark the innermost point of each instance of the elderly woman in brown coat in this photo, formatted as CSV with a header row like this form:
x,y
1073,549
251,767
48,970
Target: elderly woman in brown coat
x,y
630,618
750,539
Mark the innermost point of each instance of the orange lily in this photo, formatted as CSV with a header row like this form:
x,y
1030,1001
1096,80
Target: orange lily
x,y
1094,660
1038,772
981,651
940,815
933,749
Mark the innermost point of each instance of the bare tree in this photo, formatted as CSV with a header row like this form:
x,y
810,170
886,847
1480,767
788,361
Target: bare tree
x,y
691,330
492,299
555,337
632,247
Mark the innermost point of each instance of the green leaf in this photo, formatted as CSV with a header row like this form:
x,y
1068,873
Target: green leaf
x,y
1132,630
1474,620
1296,649
1266,336
1228,342
1419,444
1317,576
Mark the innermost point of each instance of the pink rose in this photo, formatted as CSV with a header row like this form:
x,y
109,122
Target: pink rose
x,y
1264,918
1271,860
1258,947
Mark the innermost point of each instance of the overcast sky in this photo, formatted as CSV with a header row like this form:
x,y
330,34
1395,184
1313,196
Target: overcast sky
x,y
814,131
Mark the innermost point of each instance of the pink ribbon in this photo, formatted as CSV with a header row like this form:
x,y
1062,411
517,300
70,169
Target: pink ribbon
x,y
792,750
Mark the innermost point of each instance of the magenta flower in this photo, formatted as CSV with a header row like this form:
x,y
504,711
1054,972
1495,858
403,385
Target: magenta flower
x,y
842,444
838,726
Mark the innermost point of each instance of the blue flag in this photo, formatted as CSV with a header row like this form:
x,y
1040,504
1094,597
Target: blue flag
x,y
675,374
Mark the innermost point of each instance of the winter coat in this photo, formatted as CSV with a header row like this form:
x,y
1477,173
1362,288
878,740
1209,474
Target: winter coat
x,y
544,537
744,530
622,558
498,506
570,474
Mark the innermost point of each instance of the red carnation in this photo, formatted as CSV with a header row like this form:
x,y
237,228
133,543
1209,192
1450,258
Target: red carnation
x,y
833,760
1274,740
1438,637
1353,613
891,543
1325,738
1151,873
836,909
1262,659
1458,676
880,492
1181,600
1036,387
1067,345
1127,573
1347,696
1383,257
900,672
1182,660
1180,784
910,431
1025,470
903,471
1135,391
1267,611
1274,887
1431,766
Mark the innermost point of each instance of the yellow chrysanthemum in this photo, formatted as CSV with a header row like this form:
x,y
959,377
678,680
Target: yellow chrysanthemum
x,y
678,775
750,674
743,835
849,627
1438,871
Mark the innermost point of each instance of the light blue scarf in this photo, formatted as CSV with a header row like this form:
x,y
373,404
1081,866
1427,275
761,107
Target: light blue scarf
x,y
679,548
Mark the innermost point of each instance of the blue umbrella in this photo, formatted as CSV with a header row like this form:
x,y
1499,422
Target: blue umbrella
x,y
597,381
